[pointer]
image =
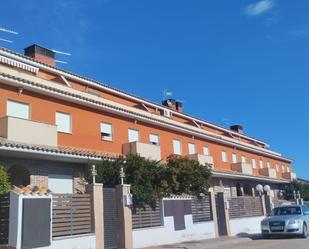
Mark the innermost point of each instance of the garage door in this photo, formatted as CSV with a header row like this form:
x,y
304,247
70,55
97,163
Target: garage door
x,y
61,184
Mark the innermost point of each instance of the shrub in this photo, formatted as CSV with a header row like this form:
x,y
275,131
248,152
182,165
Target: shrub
x,y
4,181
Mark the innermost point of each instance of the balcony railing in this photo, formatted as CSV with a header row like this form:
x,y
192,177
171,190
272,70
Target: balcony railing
x,y
27,131
289,175
245,168
146,150
268,172
202,159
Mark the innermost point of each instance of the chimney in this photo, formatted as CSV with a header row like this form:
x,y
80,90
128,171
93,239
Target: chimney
x,y
179,106
238,128
173,104
41,54
170,103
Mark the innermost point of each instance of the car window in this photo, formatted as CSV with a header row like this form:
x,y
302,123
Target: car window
x,y
286,211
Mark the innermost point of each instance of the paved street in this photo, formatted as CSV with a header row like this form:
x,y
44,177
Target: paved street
x,y
255,242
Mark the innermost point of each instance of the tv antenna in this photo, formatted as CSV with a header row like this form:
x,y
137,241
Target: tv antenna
x,y
62,53
166,94
7,31
5,40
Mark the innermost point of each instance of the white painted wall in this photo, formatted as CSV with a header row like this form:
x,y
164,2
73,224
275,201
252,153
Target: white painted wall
x,y
74,242
15,231
246,225
166,234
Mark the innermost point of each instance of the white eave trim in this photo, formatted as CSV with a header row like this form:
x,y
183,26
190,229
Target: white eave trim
x,y
95,84
48,153
217,174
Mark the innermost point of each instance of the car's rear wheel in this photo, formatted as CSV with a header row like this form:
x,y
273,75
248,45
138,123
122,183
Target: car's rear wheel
x,y
305,232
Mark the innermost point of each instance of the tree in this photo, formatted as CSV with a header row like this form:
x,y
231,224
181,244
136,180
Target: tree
x,y
296,186
144,176
4,181
187,176
151,180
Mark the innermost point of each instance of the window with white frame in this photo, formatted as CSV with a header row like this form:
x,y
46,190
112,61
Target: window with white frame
x,y
288,169
206,151
133,135
191,148
268,165
282,168
106,131
154,139
63,122
176,147
18,109
254,163
243,159
277,168
261,164
224,156
234,158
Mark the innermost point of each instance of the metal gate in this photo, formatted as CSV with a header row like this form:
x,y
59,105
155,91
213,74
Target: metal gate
x,y
222,226
110,218
4,218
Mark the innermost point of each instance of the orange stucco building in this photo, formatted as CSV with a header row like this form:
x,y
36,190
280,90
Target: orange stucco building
x,y
54,122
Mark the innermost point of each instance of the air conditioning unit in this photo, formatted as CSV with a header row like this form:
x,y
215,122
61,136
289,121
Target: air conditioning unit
x,y
167,113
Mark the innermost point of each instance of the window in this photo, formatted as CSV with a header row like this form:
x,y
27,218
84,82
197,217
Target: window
x,y
206,151
154,139
288,169
63,122
228,191
282,168
106,132
177,147
62,184
234,158
133,135
254,163
277,168
268,165
243,159
18,110
261,164
224,157
191,148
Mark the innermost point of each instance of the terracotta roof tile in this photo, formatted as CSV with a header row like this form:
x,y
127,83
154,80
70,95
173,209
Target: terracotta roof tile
x,y
65,150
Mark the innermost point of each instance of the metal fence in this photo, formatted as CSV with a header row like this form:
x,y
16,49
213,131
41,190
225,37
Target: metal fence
x,y
241,207
201,209
4,218
147,216
72,214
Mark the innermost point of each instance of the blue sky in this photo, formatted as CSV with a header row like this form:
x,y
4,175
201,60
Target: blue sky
x,y
240,61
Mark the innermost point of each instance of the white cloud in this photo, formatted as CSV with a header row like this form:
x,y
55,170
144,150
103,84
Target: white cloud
x,y
259,8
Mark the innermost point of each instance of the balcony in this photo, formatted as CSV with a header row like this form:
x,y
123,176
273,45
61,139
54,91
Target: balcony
x,y
149,151
27,131
244,168
289,175
202,159
268,172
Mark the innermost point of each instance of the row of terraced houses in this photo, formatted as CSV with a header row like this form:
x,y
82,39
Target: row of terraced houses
x,y
55,123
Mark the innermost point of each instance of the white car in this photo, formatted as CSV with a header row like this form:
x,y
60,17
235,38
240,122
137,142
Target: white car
x,y
286,220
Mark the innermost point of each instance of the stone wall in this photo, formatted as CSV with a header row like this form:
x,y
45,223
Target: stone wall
x,y
40,169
